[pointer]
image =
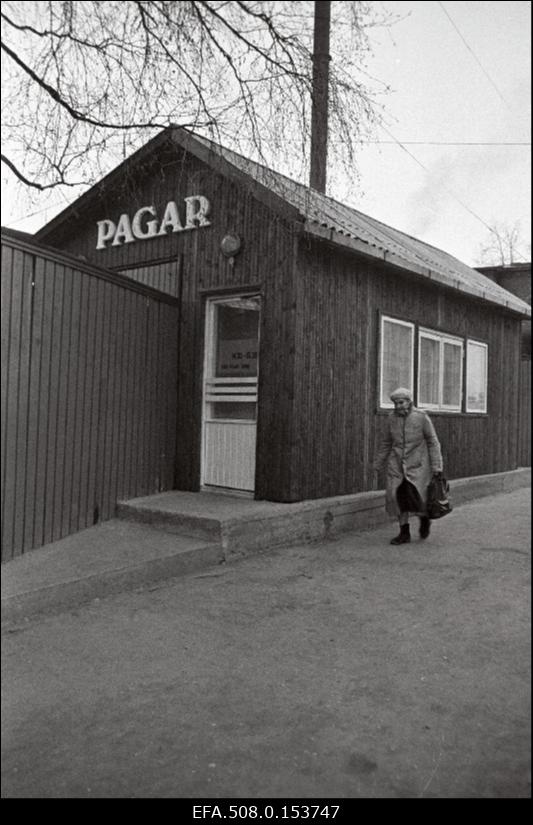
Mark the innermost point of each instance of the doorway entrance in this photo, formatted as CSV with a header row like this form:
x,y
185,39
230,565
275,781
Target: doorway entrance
x,y
230,392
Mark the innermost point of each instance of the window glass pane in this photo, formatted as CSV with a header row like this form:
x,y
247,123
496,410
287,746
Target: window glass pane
x,y
237,338
451,389
396,362
476,389
234,410
429,371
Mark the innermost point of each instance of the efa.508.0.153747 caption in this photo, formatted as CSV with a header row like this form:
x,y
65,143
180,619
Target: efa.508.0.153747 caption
x,y
265,811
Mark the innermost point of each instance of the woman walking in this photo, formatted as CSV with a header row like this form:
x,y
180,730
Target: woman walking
x,y
411,453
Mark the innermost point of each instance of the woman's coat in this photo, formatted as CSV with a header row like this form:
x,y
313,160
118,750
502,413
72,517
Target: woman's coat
x,y
410,449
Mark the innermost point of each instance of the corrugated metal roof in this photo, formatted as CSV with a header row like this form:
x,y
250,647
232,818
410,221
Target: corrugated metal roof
x,y
344,225
324,217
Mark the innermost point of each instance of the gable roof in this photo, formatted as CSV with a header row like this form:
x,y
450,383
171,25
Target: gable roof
x,y
329,219
322,217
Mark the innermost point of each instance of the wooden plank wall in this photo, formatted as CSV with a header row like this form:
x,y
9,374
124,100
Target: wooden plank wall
x,y
163,276
89,389
337,425
524,415
266,263
317,424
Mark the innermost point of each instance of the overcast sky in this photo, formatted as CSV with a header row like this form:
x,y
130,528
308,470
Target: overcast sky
x,y
459,73
454,80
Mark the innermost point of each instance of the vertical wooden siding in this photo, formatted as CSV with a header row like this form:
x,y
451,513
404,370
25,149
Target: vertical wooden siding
x,y
163,276
318,424
191,266
336,421
89,388
524,414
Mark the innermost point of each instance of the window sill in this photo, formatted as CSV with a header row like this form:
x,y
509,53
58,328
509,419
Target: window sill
x,y
458,414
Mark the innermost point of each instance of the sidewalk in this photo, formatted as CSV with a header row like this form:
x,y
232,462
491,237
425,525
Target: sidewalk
x,y
345,668
170,534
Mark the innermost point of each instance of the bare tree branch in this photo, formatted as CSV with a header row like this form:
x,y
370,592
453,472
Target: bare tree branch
x,y
502,247
35,184
103,44
292,71
77,115
84,81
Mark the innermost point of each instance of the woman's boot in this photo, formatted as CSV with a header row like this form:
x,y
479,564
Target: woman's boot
x,y
403,537
425,526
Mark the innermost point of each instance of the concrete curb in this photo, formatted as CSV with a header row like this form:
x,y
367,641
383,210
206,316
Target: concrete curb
x,y
110,558
148,544
264,525
466,489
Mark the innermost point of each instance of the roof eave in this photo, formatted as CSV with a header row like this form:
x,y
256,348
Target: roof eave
x,y
92,194
331,235
208,155
177,137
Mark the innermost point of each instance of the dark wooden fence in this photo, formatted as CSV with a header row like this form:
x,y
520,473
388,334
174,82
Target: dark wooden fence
x,y
524,414
89,394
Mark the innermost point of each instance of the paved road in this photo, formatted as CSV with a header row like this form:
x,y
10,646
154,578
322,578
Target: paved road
x,y
345,669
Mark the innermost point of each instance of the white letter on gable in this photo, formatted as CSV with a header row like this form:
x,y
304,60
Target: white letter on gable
x,y
106,230
151,225
170,218
196,211
123,233
197,208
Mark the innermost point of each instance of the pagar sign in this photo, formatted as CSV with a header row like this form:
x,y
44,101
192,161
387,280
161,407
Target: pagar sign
x,y
140,228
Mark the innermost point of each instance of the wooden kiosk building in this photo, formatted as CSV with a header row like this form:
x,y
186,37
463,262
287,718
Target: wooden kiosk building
x,y
257,328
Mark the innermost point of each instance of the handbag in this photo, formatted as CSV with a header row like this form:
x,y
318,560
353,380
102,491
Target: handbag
x,y
439,503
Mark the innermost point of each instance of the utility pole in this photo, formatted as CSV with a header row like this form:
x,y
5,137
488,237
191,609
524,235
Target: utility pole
x,y
319,114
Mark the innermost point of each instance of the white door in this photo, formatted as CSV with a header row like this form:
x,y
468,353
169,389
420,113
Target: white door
x,y
230,392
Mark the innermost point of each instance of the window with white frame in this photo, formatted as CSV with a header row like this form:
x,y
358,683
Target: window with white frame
x,y
476,377
440,371
397,357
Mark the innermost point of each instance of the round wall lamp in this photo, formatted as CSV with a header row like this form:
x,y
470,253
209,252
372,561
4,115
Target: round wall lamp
x,y
230,246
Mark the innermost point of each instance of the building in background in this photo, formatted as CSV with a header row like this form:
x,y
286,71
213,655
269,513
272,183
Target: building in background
x,y
515,278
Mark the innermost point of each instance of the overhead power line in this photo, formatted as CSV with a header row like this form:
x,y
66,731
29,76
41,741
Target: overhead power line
x,y
474,55
452,142
445,188
38,212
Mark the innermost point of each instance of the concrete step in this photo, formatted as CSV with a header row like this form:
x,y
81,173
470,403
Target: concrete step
x,y
109,558
243,526
171,513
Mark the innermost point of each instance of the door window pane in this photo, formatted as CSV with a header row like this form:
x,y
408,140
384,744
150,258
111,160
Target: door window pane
x,y
237,338
234,410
